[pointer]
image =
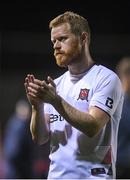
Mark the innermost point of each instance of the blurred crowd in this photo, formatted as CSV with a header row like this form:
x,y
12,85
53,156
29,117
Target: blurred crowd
x,y
123,151
21,158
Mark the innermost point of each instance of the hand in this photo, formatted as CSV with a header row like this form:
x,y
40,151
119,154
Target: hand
x,y
49,91
29,90
40,91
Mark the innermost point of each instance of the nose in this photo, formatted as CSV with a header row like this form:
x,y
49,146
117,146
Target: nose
x,y
57,44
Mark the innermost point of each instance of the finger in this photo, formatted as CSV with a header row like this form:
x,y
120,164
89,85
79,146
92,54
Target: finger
x,y
34,86
26,85
32,90
27,80
51,81
30,77
44,85
32,95
38,82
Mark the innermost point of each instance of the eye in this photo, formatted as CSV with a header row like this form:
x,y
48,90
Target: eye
x,y
62,39
59,39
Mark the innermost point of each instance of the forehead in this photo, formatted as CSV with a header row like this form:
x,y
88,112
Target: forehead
x,y
60,30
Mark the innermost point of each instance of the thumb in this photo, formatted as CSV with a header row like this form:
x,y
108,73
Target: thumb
x,y
51,81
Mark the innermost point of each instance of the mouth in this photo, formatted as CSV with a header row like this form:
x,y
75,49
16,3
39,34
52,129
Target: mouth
x,y
58,53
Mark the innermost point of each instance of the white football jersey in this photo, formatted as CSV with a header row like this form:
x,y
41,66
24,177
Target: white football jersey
x,y
73,154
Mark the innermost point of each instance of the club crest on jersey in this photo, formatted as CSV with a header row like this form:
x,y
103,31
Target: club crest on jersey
x,y
83,95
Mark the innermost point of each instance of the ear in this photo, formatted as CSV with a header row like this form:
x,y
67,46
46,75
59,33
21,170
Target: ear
x,y
84,37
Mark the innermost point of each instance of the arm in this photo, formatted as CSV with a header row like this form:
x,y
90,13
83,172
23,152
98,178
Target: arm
x,y
89,123
39,125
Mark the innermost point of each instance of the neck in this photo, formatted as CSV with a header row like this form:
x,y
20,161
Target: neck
x,y
81,66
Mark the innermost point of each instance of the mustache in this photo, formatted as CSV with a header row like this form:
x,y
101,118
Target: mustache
x,y
58,52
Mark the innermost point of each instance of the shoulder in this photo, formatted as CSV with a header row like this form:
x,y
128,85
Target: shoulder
x,y
105,73
106,78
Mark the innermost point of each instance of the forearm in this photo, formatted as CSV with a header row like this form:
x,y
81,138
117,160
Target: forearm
x,y
83,121
39,126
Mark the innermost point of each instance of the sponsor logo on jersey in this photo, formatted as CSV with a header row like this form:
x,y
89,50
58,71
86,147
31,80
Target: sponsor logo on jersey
x,y
56,117
83,95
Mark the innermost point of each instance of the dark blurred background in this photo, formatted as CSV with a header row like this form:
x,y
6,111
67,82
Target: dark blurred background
x,y
25,45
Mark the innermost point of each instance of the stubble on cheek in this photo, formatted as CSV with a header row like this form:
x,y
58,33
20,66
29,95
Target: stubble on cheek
x,y
70,55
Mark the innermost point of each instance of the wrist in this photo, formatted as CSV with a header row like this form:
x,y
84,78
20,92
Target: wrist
x,y
37,107
56,101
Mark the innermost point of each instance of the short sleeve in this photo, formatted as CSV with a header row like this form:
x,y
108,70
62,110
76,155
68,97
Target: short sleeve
x,y
107,93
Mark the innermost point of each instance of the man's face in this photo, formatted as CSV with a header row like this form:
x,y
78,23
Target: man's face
x,y
67,47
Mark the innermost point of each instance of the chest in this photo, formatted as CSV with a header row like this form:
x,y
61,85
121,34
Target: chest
x,y
78,94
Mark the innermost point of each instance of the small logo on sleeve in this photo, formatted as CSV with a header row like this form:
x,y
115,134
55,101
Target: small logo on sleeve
x,y
109,102
83,95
